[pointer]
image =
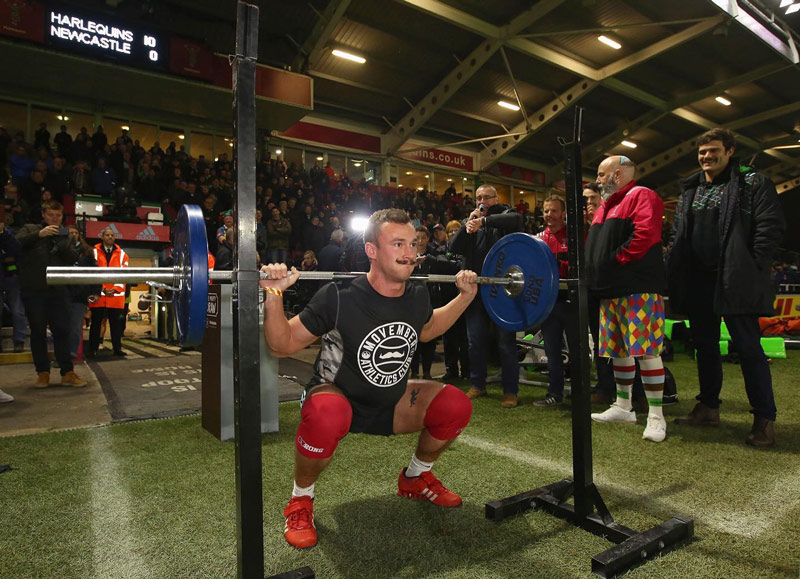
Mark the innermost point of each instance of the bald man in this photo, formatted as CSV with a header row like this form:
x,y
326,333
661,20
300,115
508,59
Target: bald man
x,y
626,271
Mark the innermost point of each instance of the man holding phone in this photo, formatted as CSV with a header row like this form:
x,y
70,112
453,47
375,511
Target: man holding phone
x,y
45,244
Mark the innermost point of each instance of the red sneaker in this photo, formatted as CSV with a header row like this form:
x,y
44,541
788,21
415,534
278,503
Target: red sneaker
x,y
300,531
428,488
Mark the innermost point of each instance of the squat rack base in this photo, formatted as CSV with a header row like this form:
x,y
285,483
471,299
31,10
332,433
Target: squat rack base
x,y
632,547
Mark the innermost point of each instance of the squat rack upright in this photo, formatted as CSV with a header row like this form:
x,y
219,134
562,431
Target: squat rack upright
x,y
588,510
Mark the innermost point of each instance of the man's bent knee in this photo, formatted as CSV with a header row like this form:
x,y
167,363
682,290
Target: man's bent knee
x,y
448,413
324,420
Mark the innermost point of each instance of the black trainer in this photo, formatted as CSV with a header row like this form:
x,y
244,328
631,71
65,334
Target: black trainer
x,y
548,400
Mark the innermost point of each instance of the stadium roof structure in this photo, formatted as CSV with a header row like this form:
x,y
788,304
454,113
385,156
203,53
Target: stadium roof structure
x,y
435,71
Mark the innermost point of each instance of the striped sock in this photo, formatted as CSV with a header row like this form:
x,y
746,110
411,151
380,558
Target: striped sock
x,y
653,383
624,373
303,491
417,467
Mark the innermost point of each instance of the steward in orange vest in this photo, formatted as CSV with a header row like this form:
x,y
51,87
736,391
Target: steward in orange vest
x,y
111,301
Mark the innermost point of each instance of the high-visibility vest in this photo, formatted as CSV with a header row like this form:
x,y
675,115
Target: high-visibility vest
x,y
118,259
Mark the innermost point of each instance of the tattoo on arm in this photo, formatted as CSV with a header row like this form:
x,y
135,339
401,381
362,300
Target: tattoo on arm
x,y
414,394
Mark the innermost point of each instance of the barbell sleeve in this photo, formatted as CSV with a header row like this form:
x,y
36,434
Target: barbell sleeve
x,y
61,275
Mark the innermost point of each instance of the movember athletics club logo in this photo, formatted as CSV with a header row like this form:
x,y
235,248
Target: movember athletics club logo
x,y
385,354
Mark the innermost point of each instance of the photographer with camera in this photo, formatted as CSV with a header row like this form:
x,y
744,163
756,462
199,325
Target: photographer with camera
x,y
45,244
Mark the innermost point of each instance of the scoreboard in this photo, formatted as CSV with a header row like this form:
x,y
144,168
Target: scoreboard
x,y
105,38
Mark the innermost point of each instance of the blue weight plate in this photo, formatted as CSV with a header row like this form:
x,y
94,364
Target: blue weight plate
x,y
539,267
191,257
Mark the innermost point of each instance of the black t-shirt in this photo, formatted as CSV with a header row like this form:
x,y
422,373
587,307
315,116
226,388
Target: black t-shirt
x,y
368,340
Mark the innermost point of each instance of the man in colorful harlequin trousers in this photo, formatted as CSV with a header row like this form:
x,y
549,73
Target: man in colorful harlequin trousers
x,y
370,329
625,268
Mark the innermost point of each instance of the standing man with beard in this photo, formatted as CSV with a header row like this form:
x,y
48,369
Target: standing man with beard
x,y
728,223
625,269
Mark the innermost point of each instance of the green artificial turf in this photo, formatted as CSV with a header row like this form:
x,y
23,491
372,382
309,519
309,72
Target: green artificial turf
x,y
158,498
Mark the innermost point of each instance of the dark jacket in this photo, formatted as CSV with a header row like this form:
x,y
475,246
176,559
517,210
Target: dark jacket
x,y
330,257
79,294
9,250
39,252
623,249
500,220
224,257
751,225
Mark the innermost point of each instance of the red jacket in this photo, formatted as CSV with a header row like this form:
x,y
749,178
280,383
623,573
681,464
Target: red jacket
x,y
557,242
118,259
623,251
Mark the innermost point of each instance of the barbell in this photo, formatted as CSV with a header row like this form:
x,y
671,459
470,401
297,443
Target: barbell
x,y
519,279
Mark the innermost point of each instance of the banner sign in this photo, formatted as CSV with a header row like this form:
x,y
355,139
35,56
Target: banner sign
x,y
129,231
22,19
191,58
331,136
787,306
519,173
439,157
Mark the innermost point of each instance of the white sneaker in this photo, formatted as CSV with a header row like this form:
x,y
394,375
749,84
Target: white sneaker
x,y
6,397
656,429
615,414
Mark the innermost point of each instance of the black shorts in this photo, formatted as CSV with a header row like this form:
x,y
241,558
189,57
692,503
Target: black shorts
x,y
366,419
372,420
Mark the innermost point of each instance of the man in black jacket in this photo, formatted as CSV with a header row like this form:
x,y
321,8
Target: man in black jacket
x,y
484,227
42,245
728,223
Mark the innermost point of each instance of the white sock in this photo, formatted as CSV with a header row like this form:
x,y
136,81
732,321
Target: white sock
x,y
653,382
417,467
303,491
624,373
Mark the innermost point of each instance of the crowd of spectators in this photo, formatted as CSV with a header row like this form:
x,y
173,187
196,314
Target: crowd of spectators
x,y
299,207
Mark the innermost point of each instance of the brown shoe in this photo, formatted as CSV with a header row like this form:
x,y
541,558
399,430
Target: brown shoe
x,y
43,381
701,415
762,433
473,393
72,379
509,401
603,398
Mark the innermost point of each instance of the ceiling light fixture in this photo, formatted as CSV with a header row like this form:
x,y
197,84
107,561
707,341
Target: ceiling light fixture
x,y
793,8
723,101
319,158
409,173
449,180
427,176
507,105
125,128
348,56
181,137
629,144
278,152
356,163
62,118
609,42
